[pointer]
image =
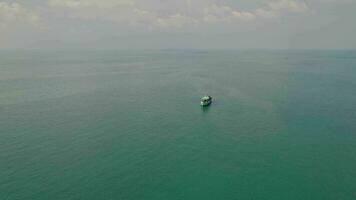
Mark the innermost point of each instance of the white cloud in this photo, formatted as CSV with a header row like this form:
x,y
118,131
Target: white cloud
x,y
91,3
288,6
335,1
154,13
14,14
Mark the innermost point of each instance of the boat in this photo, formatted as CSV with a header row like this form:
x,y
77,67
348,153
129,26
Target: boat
x,y
206,100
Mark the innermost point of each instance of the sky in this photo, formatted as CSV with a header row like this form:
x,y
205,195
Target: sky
x,y
177,24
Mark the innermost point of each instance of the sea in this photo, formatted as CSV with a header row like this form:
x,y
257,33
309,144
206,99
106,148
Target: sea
x,y
128,125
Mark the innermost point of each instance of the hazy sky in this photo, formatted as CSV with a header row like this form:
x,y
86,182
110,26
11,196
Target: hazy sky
x,y
197,24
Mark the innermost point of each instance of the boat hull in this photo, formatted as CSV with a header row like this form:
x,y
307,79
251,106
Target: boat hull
x,y
205,103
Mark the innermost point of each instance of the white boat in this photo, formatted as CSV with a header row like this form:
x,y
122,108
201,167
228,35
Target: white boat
x,y
206,100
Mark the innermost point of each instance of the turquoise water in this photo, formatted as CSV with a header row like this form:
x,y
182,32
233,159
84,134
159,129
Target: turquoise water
x,y
128,125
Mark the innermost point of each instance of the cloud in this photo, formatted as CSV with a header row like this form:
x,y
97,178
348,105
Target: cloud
x,y
335,1
288,6
77,4
155,13
13,15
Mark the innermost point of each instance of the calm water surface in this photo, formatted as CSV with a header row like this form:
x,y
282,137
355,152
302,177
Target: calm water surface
x,y
128,125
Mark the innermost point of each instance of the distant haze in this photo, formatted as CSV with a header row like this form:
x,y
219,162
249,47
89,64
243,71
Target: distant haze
x,y
177,24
